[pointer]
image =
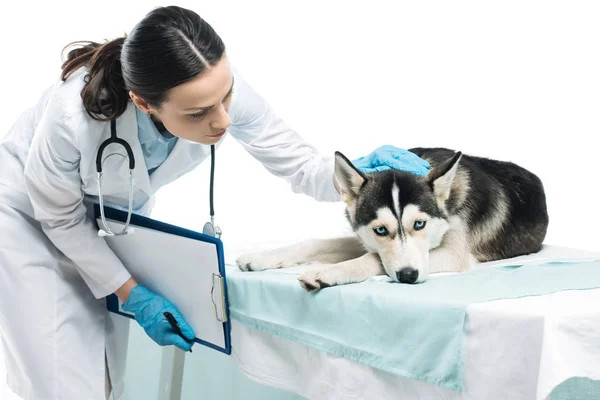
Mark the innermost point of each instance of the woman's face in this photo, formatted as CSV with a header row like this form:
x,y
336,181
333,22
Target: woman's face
x,y
196,110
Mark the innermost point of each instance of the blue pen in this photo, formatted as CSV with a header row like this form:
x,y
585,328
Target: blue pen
x,y
175,326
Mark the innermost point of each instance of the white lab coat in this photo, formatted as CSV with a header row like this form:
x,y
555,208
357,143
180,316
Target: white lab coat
x,y
55,270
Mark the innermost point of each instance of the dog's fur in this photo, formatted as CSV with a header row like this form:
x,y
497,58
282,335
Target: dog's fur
x,y
407,226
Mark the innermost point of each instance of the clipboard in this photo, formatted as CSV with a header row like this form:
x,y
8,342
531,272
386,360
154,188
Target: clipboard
x,y
184,266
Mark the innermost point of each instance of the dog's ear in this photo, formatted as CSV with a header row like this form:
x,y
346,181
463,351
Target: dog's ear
x,y
349,179
441,176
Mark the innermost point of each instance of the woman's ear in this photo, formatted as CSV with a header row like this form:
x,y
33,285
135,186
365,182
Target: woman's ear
x,y
140,103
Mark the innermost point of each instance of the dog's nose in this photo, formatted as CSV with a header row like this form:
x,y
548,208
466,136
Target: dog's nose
x,y
407,275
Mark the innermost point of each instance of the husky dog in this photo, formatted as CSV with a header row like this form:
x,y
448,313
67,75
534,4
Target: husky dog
x,y
465,209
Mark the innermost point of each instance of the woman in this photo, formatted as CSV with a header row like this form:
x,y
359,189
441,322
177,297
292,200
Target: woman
x,y
171,90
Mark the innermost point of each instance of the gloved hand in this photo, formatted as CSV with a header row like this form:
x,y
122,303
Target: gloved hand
x,y
390,157
148,309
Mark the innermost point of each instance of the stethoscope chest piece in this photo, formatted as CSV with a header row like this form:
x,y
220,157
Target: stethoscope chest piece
x,y
211,230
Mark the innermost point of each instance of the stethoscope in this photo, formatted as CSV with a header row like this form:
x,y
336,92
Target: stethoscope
x,y
209,228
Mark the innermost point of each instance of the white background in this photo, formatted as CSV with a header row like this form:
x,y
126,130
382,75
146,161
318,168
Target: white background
x,y
494,79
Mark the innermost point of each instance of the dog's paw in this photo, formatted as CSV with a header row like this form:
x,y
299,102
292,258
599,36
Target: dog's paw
x,y
310,281
262,261
320,278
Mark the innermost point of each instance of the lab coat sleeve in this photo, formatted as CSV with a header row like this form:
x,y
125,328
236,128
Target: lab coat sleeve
x,y
54,186
280,149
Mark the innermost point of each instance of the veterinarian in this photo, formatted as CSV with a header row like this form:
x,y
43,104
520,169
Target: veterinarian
x,y
172,92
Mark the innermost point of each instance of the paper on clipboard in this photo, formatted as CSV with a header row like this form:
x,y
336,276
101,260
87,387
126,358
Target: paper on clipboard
x,y
185,267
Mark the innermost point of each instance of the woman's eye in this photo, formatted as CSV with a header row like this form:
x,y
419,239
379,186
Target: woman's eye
x,y
197,115
381,231
419,225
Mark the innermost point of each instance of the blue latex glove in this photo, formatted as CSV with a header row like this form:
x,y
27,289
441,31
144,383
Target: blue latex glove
x,y
390,157
148,308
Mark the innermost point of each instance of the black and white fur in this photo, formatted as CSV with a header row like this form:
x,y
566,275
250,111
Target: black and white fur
x,y
408,226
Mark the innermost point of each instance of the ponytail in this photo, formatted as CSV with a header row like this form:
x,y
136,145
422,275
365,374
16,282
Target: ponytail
x,y
104,92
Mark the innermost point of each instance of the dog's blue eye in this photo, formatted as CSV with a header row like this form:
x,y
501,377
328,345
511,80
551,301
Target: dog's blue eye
x,y
419,225
381,231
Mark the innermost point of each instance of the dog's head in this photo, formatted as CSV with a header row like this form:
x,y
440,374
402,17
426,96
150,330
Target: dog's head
x,y
398,215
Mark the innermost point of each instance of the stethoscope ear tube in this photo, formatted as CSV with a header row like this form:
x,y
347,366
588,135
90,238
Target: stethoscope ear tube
x,y
106,231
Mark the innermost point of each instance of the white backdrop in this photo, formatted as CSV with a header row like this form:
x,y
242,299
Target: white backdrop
x,y
495,79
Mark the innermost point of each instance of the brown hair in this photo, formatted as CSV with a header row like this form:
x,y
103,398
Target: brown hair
x,y
170,46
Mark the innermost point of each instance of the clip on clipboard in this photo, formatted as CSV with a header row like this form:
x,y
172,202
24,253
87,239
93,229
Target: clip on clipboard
x,y
183,266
